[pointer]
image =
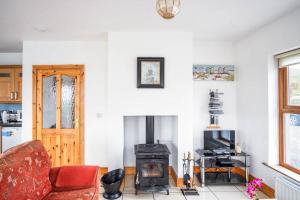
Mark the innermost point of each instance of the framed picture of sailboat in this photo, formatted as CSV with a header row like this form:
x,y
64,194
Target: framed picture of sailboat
x,y
150,72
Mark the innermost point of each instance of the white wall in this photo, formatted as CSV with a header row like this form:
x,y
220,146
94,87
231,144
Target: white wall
x,y
125,99
10,58
257,90
93,55
110,87
213,52
176,158
134,133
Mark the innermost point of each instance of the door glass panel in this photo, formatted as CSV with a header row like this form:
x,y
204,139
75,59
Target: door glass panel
x,y
294,84
292,139
49,102
67,101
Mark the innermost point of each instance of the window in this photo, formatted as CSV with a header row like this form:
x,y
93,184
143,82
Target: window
x,y
289,110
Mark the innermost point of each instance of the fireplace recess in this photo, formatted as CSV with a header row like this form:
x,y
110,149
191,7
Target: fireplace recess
x,y
152,163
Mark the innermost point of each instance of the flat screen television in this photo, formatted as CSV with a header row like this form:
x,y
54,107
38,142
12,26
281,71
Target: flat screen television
x,y
219,139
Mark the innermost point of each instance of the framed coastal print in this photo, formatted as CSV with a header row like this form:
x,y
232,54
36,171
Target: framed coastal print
x,y
150,72
213,72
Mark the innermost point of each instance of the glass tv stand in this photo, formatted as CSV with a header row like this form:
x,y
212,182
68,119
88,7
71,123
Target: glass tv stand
x,y
212,172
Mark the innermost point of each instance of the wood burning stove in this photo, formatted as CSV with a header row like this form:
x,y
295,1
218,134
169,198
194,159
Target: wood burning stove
x,y
152,163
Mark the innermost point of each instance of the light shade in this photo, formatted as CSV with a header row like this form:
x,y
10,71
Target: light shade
x,y
168,8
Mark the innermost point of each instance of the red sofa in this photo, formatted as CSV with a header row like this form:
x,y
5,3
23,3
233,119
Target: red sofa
x,y
25,174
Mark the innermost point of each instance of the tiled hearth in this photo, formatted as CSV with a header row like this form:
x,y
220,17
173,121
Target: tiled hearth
x,y
207,193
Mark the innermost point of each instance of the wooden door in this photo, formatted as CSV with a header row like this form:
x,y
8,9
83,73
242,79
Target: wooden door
x,y
18,84
59,113
6,85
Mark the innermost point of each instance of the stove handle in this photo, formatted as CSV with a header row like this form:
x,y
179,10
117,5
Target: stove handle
x,y
137,182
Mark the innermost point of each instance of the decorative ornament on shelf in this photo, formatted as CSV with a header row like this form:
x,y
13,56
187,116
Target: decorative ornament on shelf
x,y
215,108
238,148
168,8
252,187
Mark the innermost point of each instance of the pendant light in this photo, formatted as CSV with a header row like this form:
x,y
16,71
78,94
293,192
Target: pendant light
x,y
168,8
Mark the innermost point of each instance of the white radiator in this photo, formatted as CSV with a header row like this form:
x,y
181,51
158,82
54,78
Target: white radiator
x,y
287,189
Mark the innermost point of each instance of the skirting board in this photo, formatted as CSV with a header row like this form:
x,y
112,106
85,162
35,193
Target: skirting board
x,y
178,181
103,170
265,189
129,170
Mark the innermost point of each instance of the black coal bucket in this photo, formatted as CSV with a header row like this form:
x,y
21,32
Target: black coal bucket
x,y
111,182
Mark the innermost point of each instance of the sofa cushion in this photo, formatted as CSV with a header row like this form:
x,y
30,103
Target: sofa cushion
x,y
84,194
24,171
76,177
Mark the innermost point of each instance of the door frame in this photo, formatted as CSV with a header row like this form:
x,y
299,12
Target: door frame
x,y
35,69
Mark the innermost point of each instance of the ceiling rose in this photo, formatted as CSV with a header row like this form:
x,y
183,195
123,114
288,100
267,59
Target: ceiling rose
x,y
168,8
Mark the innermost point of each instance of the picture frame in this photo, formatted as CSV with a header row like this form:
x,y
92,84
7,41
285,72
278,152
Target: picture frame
x,y
214,72
150,72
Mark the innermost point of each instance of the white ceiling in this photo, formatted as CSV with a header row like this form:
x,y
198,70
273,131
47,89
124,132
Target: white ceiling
x,y
89,19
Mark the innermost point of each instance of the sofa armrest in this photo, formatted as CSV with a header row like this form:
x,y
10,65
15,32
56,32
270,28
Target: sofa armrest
x,y
74,177
53,174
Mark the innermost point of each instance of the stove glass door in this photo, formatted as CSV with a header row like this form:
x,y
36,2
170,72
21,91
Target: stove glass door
x,y
152,170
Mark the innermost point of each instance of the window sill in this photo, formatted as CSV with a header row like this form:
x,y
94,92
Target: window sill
x,y
284,171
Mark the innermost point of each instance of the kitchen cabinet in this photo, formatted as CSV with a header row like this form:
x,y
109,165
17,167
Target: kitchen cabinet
x,y
10,84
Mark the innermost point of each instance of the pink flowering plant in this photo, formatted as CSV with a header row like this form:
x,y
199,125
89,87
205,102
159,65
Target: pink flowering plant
x,y
252,187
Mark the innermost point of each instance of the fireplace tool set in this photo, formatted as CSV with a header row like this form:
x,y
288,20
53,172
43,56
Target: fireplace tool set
x,y
188,190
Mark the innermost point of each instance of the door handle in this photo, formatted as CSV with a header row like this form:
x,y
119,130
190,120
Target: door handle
x,y
16,95
11,95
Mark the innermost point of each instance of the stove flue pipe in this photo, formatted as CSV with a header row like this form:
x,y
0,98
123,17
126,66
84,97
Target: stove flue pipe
x,y
149,129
